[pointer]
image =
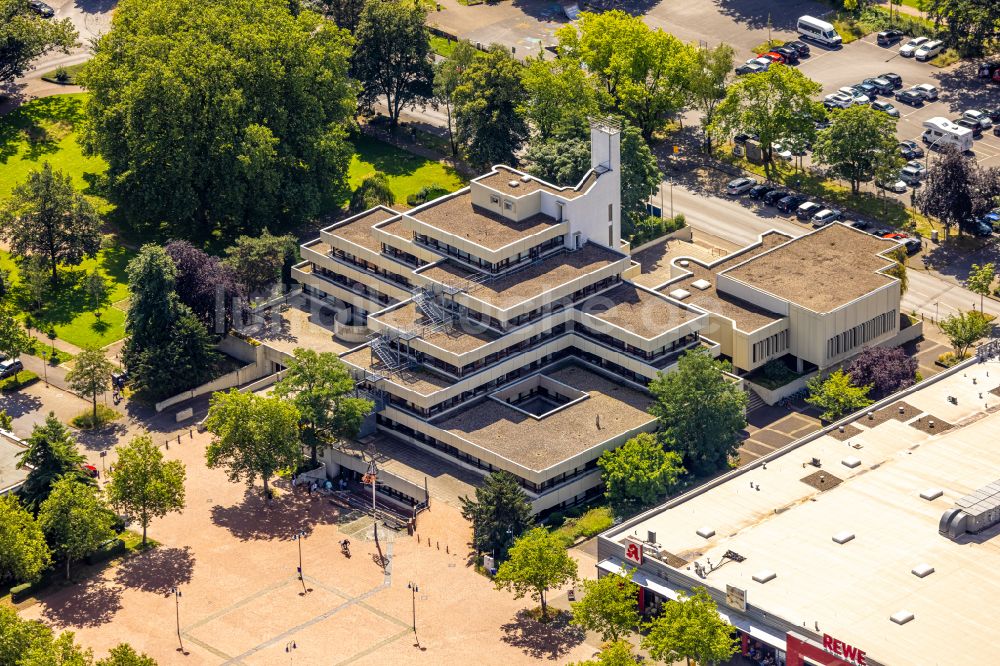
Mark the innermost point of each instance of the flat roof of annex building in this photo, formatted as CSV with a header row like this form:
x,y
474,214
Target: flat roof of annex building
x,y
458,216
611,410
501,178
851,589
820,271
358,229
637,310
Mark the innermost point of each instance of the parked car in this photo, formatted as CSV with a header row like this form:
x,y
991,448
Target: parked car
x,y
838,101
929,50
858,96
993,114
910,149
801,47
882,85
867,89
740,185
910,97
913,173
781,152
909,48
895,79
825,217
893,185
861,224
980,117
10,367
750,67
992,218
980,229
774,196
790,54
889,37
89,470
791,202
774,56
758,191
41,8
887,108
913,245
807,210
974,126
996,130
929,92
894,235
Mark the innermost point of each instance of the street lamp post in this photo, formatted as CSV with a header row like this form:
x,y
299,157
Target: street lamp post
x,y
413,593
177,605
299,536
45,367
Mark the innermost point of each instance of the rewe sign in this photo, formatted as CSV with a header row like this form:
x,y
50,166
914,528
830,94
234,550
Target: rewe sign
x,y
842,649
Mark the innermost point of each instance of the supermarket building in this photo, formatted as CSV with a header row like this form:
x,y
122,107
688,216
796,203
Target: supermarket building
x,y
874,541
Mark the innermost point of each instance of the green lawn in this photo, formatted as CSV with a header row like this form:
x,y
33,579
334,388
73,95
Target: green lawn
x,y
70,71
407,172
46,130
442,45
70,310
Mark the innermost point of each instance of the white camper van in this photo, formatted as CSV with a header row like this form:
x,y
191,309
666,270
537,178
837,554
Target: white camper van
x,y
818,31
942,132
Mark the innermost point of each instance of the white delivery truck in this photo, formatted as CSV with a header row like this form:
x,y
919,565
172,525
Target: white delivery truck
x,y
818,31
940,132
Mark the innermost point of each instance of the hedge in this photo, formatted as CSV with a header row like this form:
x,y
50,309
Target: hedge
x,y
19,593
107,551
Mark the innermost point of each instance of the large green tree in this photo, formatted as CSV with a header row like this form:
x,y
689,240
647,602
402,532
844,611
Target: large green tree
x,y
644,72
640,177
949,190
124,654
90,375
690,628
321,388
973,25
51,455
373,191
499,513
345,13
859,144
254,436
700,410
46,217
618,653
24,36
638,473
143,485
31,643
560,161
258,261
14,340
837,395
965,329
219,115
707,84
168,349
980,280
609,607
447,76
393,56
776,105
487,99
537,562
560,97
75,519
24,555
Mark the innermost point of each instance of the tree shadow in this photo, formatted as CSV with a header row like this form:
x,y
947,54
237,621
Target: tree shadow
x,y
158,570
90,604
542,640
18,404
102,438
782,15
283,517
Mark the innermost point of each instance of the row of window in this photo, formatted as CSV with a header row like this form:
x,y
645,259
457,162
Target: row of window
x,y
359,288
861,334
498,267
771,346
369,267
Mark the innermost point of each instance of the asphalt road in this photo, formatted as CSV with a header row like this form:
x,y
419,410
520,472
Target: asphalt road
x,y
732,219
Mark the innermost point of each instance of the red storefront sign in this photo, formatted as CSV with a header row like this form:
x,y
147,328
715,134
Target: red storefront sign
x,y
834,652
633,553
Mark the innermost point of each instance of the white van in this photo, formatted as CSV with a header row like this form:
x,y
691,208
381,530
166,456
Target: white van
x,y
818,31
942,132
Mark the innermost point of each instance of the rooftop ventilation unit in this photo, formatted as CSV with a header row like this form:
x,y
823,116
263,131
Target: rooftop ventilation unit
x,y
525,178
901,617
850,462
683,263
764,576
680,294
705,532
931,494
922,570
513,184
843,537
701,284
973,513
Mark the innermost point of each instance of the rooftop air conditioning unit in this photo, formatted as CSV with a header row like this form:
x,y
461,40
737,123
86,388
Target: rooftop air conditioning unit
x,y
513,183
525,178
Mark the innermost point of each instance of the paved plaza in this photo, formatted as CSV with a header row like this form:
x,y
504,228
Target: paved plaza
x,y
235,562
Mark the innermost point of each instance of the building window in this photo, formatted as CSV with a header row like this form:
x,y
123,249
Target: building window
x,y
508,205
861,334
495,200
611,212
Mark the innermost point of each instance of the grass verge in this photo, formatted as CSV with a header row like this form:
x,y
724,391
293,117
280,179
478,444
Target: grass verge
x,y
442,45
769,45
946,58
85,420
63,75
590,524
18,381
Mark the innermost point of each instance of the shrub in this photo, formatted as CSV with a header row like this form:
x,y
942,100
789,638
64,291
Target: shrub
x,y
769,45
949,359
62,76
425,194
773,374
108,550
85,420
594,522
19,380
651,228
556,519
946,58
19,593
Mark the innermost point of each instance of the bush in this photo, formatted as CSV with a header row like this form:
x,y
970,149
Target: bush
x,y
770,45
773,374
107,551
19,380
590,524
19,593
425,194
85,420
874,19
651,228
946,58
62,76
556,519
949,359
